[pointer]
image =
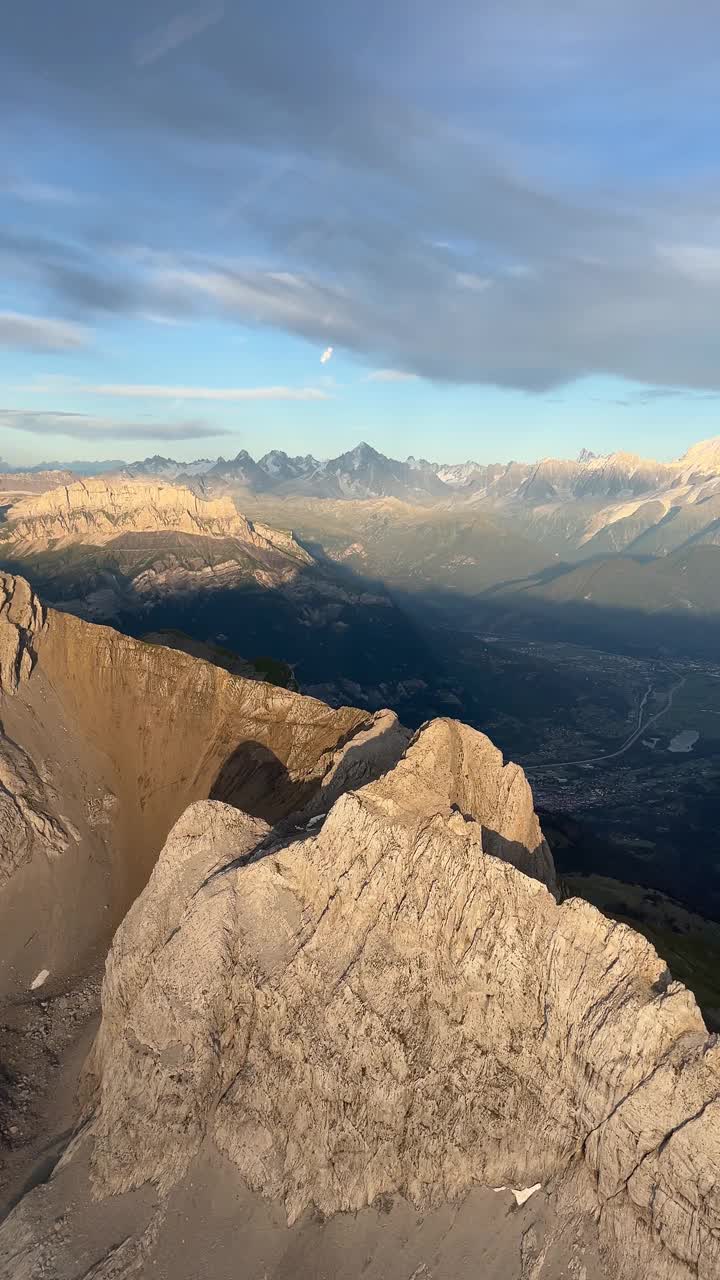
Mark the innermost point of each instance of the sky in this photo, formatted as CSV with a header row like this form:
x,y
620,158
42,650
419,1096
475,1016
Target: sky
x,y
456,231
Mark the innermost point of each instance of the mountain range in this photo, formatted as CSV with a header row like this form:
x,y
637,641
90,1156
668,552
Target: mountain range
x,y
365,472
514,534
589,507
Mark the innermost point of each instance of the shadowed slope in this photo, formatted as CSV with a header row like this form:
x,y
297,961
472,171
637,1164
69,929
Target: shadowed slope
x,y
106,740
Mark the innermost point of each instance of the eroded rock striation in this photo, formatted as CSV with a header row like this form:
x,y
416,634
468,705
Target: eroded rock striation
x,y
97,511
396,1003
105,740
348,973
21,622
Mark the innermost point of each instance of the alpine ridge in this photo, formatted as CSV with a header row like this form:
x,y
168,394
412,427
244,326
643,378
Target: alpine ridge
x,y
105,741
339,965
98,511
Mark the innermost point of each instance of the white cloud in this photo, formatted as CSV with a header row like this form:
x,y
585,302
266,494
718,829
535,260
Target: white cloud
x,y
39,192
391,375
326,355
82,426
149,391
39,333
178,31
153,317
699,262
469,280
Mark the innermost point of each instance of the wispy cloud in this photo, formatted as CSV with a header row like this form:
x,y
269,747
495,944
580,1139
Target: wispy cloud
x,y
651,395
39,192
82,426
150,391
38,333
366,212
470,280
391,375
183,27
171,322
648,394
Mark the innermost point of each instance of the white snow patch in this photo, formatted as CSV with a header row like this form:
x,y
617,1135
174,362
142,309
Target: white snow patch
x,y
526,1192
521,1194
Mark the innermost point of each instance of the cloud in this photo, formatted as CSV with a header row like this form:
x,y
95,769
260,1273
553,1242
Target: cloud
x,y
326,355
511,242
391,375
39,192
652,395
141,391
468,280
80,426
39,333
180,29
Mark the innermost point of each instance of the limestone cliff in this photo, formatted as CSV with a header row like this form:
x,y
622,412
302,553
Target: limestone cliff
x,y
344,971
105,741
389,1005
97,511
21,622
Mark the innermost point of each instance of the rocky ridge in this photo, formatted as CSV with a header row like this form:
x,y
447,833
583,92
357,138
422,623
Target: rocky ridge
x,y
22,619
98,511
100,755
429,1016
348,972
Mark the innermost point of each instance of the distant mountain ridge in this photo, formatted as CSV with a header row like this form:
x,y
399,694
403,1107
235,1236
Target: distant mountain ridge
x,y
80,466
595,505
617,503
364,472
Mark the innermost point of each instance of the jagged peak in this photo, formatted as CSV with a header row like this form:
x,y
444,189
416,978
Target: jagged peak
x,y
442,1005
703,456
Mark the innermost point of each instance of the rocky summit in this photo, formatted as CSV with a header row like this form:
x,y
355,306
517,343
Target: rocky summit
x,y
348,1024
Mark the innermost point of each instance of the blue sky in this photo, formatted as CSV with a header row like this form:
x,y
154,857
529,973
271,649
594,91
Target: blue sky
x,y
503,219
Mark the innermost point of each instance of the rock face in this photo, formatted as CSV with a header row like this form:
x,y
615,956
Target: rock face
x,y
27,825
105,740
395,1003
347,975
21,622
98,511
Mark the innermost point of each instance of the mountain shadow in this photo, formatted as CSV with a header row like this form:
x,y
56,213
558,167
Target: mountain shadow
x,y
255,780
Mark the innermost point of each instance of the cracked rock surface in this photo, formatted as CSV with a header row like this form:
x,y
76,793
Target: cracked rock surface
x,y
99,510
388,1007
105,740
351,991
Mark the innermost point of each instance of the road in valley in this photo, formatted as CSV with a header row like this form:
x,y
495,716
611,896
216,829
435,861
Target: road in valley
x,y
627,744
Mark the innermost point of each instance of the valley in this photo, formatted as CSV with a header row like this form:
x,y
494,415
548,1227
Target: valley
x,y
427,610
